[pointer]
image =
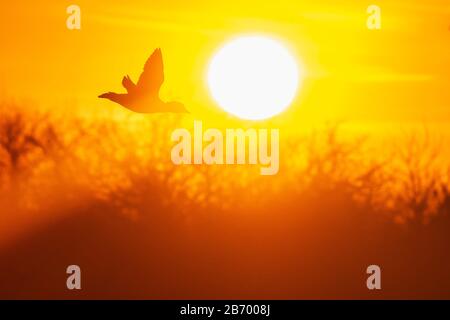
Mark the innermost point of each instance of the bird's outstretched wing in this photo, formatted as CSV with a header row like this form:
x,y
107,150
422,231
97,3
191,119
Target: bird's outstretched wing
x,y
153,76
128,84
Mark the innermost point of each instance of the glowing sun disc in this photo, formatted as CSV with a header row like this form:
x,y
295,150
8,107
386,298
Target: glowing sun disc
x,y
253,77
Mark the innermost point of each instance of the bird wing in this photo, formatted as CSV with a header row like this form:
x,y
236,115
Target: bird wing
x,y
128,84
153,76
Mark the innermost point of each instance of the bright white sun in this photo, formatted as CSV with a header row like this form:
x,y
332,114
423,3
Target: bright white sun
x,y
253,77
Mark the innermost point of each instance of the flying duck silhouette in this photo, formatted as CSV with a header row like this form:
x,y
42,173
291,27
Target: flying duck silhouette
x,y
143,97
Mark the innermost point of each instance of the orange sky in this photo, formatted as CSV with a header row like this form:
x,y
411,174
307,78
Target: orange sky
x,y
399,73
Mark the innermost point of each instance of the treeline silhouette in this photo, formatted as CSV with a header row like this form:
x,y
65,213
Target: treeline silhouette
x,y
103,193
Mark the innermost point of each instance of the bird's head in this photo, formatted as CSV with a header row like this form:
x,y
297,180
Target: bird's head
x,y
108,95
177,107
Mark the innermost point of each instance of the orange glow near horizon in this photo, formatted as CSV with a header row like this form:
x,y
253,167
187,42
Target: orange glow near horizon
x,y
358,170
